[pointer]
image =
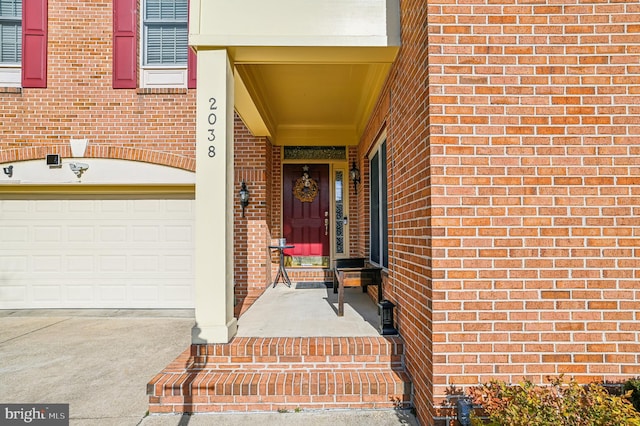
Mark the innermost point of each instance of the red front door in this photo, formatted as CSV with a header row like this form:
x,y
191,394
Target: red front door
x,y
306,221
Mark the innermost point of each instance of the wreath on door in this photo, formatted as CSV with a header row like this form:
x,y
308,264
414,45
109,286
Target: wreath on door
x,y
305,188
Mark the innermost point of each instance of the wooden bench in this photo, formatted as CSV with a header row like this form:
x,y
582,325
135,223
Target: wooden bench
x,y
354,272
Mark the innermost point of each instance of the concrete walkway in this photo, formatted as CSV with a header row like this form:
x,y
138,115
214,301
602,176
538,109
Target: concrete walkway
x,y
99,362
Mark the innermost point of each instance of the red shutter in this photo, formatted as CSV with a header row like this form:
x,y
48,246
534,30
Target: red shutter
x,y
192,66
34,43
124,44
192,69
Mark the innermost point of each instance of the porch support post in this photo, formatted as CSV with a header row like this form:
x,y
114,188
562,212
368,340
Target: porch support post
x,y
214,202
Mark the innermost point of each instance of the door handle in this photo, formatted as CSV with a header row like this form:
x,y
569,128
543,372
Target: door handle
x,y
326,226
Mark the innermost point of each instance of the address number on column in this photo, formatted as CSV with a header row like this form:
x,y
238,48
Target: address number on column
x,y
212,120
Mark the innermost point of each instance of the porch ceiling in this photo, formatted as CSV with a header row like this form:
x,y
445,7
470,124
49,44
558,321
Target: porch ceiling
x,y
307,72
309,98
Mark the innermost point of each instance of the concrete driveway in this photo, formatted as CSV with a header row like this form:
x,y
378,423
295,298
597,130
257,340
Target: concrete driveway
x,y
100,361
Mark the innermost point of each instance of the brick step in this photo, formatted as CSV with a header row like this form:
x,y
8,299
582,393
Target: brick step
x,y
309,274
268,374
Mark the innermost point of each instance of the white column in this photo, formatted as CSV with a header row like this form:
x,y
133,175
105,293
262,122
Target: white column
x,y
215,199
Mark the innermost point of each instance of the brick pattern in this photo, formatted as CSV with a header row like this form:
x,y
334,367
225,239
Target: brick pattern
x,y
402,112
269,374
157,126
515,200
513,133
535,187
252,234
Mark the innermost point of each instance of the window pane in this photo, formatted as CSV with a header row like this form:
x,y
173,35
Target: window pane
x,y
10,31
166,45
375,210
10,43
339,180
166,32
166,10
384,215
11,8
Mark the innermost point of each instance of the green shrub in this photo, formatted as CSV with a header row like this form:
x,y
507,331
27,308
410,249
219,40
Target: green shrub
x,y
633,386
558,404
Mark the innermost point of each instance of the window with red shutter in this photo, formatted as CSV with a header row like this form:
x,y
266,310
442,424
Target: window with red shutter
x,y
34,43
124,44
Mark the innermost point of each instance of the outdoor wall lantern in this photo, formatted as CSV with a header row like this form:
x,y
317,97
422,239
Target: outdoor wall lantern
x,y
354,173
464,407
385,310
244,197
8,170
78,168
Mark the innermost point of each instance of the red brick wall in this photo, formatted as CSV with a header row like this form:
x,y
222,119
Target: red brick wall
x,y
253,158
515,216
155,126
402,112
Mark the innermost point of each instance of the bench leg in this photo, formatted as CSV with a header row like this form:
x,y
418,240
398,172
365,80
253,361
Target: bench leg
x,y
340,299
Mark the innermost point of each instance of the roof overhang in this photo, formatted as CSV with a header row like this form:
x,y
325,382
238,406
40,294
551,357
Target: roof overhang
x,y
306,72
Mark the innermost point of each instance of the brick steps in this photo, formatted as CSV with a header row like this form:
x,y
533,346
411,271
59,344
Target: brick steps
x,y
269,374
309,274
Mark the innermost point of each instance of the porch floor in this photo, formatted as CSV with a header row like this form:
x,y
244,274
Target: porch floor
x,y
309,310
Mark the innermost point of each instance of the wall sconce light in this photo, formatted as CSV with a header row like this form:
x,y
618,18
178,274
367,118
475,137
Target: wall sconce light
x,y
244,197
385,310
78,168
8,171
354,174
464,407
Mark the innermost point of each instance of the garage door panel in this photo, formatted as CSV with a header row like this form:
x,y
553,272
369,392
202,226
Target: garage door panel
x,y
47,264
178,264
47,292
50,206
177,234
14,234
97,253
79,294
80,234
12,295
79,264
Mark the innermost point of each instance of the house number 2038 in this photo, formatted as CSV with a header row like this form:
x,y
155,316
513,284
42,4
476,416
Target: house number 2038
x,y
212,119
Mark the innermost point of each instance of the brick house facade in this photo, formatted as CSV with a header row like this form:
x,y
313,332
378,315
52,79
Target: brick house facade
x,y
514,133
513,151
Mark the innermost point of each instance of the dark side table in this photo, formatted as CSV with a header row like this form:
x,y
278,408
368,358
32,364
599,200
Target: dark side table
x,y
282,272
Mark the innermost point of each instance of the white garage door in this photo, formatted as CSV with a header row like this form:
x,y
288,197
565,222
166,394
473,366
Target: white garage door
x,y
97,253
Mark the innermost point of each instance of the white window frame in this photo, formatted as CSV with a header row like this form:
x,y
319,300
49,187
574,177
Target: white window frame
x,y
159,76
382,208
11,73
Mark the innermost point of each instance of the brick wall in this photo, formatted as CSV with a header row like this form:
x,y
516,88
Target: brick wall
x,y
402,112
148,125
253,159
535,140
515,216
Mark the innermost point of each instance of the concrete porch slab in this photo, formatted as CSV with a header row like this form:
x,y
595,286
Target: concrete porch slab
x,y
309,311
